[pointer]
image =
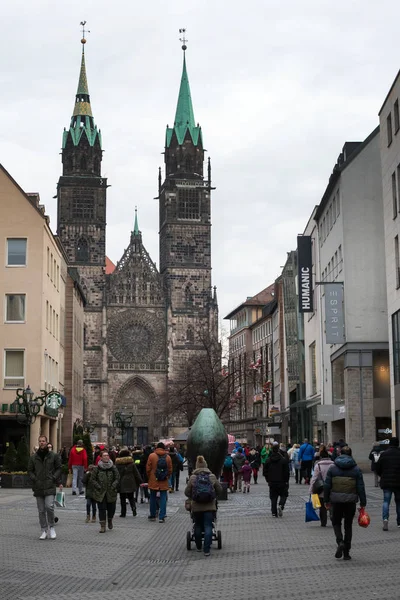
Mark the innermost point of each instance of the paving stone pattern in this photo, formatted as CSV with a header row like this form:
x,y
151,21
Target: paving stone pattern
x,y
261,558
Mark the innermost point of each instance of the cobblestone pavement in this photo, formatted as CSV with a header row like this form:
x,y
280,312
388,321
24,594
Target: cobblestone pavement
x,y
261,558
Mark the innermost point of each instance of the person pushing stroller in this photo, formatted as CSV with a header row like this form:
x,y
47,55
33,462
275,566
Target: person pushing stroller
x,y
202,489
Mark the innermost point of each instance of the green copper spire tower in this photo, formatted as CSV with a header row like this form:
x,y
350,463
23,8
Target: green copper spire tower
x,y
184,116
82,122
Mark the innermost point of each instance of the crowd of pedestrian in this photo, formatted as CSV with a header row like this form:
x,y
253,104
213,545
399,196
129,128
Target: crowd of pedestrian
x,y
330,472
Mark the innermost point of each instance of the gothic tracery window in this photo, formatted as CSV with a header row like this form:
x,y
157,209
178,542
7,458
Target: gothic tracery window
x,y
188,204
190,334
188,294
82,250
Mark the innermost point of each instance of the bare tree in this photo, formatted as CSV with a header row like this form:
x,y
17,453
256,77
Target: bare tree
x,y
203,382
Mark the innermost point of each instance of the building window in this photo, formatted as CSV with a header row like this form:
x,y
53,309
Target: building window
x,y
389,129
394,195
83,205
14,369
396,346
190,334
188,294
82,250
337,204
340,257
48,262
313,366
396,116
396,260
188,204
15,308
16,252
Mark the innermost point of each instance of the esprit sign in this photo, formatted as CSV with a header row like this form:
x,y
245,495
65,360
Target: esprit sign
x,y
304,265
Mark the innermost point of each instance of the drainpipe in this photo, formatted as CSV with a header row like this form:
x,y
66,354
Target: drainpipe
x,y
361,396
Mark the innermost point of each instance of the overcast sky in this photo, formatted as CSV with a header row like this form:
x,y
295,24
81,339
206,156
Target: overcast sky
x,y
277,87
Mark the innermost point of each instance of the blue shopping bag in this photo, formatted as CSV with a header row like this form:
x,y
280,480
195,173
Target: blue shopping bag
x,y
311,514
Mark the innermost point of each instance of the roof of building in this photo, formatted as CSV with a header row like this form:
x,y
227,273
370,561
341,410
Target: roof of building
x,y
349,152
82,123
261,299
390,91
32,197
184,116
110,267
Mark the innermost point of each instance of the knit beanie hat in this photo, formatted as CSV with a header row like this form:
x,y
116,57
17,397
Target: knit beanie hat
x,y
201,462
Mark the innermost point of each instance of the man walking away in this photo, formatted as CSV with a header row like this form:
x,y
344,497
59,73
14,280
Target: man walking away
x,y
78,464
44,471
388,469
238,462
159,470
276,472
306,457
343,486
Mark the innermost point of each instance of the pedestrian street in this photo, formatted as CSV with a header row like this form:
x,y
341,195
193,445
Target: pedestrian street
x,y
261,557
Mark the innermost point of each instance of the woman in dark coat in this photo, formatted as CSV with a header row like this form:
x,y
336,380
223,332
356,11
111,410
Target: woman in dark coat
x,y
105,480
129,480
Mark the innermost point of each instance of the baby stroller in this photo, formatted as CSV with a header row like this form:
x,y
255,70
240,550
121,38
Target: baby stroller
x,y
216,533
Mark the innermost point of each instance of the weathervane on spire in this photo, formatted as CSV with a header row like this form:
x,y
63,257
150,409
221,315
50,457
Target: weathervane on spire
x,y
183,39
83,40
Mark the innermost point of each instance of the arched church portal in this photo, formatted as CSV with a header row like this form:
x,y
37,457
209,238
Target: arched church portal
x,y
138,397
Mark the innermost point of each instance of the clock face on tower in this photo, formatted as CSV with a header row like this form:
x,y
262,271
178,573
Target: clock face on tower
x,y
136,336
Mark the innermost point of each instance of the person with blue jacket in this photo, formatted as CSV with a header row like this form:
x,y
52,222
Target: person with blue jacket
x,y
343,487
306,457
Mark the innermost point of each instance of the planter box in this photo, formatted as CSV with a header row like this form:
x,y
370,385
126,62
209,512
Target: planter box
x,y
15,481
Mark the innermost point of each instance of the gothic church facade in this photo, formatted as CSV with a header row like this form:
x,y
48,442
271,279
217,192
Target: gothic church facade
x,y
140,323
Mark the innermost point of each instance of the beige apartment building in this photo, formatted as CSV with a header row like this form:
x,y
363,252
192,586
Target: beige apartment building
x,y
33,282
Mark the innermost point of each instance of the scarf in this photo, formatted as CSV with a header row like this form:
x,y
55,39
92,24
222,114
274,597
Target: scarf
x,y
104,465
42,453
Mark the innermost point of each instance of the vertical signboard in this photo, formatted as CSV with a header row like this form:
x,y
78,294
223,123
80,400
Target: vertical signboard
x,y
304,262
334,320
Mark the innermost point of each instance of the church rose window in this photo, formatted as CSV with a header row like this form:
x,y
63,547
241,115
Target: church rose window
x,y
188,204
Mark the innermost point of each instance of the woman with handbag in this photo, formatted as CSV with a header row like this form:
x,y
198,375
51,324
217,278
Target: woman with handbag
x,y
317,481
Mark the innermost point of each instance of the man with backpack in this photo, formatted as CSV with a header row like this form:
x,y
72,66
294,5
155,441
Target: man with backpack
x,y
158,470
202,489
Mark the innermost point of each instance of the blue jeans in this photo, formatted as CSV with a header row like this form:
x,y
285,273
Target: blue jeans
x,y
387,496
153,504
171,480
77,477
203,522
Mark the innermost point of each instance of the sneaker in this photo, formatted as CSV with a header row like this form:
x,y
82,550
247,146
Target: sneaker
x,y
199,549
151,518
94,519
74,493
398,525
274,515
347,557
81,493
340,550
280,511
87,519
207,553
52,533
161,521
122,516
385,525
43,535
134,512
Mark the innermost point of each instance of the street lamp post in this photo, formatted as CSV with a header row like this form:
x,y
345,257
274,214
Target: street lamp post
x,y
122,421
28,407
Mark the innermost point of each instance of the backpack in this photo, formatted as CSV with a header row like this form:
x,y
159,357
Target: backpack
x,y
203,490
228,462
162,469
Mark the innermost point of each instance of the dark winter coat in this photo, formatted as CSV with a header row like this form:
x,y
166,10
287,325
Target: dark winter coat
x,y
129,476
238,461
105,483
254,460
88,482
44,473
276,469
388,468
344,482
374,457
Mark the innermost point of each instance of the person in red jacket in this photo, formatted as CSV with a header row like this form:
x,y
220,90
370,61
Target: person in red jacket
x,y
78,464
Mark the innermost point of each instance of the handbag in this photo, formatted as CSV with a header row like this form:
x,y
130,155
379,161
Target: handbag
x,y
318,484
60,499
311,515
188,504
315,501
363,517
69,480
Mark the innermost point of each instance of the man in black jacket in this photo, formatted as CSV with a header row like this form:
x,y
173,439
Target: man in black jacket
x,y
276,472
343,486
44,470
388,469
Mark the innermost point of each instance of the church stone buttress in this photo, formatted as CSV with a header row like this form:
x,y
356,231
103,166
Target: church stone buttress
x,y
81,226
185,234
